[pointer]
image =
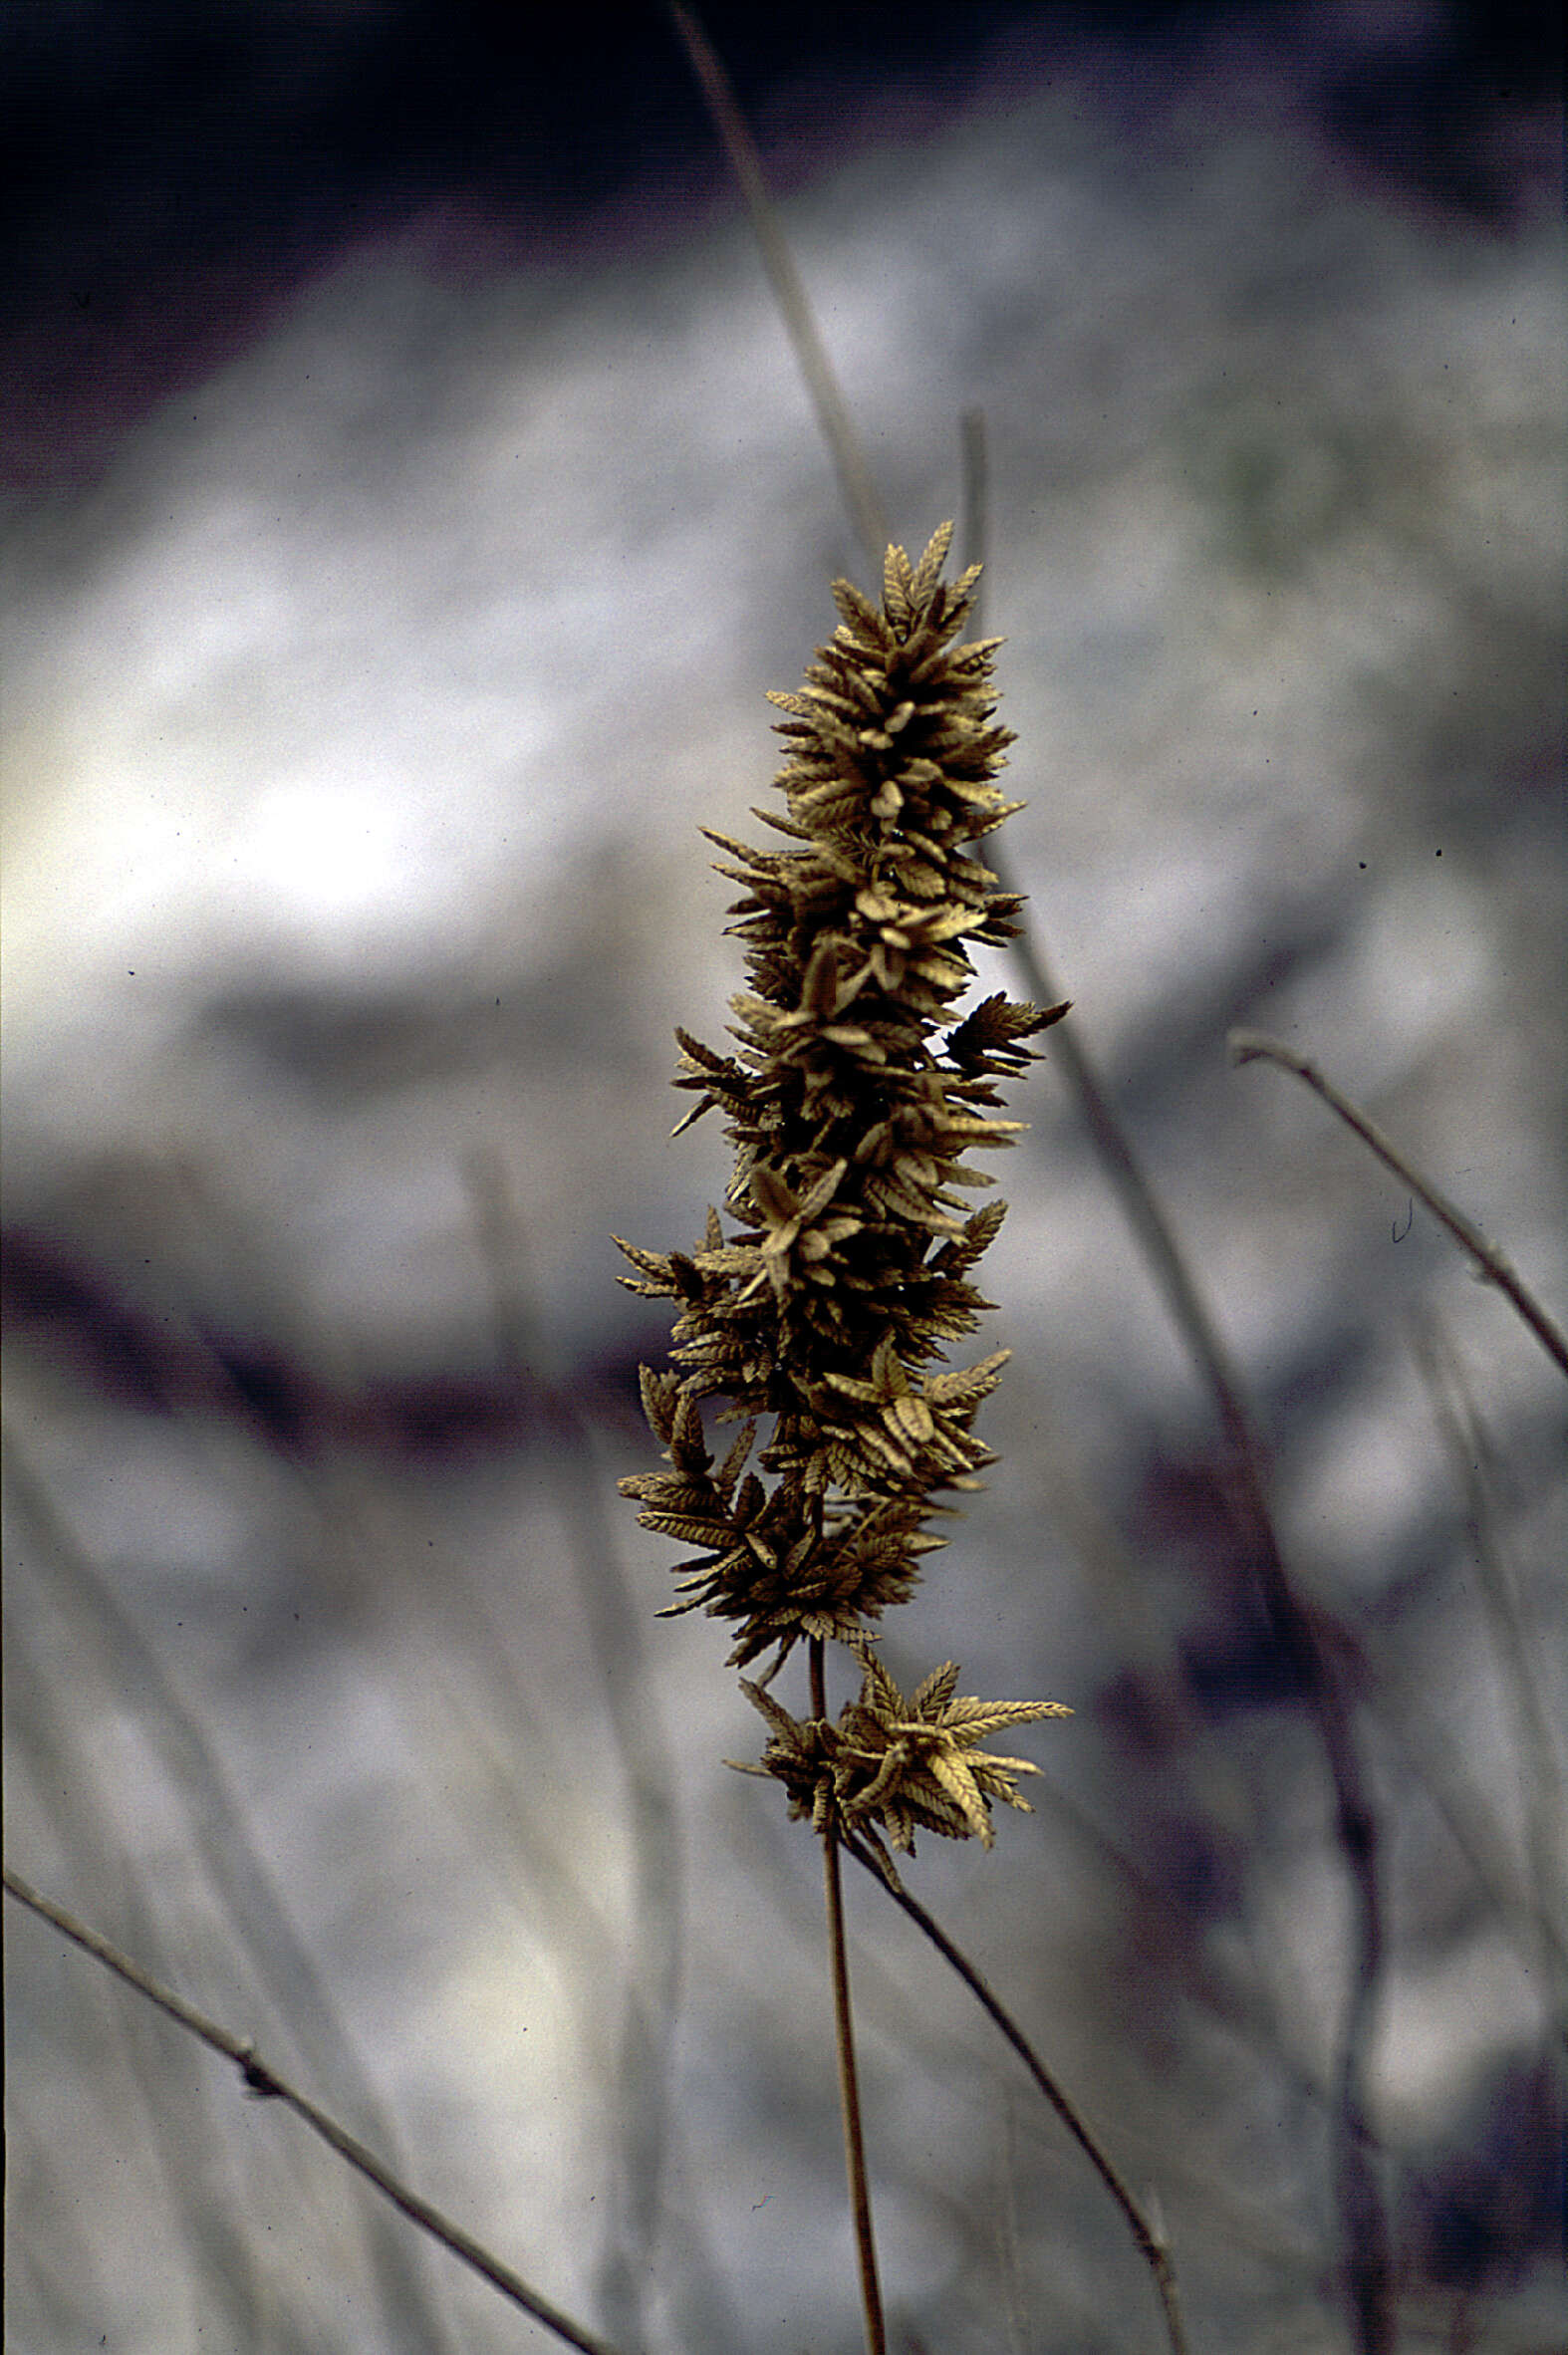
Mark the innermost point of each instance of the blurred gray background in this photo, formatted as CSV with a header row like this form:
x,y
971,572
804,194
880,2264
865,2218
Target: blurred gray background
x,y
412,496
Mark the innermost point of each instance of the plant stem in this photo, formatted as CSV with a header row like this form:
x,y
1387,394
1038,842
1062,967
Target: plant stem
x,y
827,398
849,2083
1151,2242
264,2081
1250,1046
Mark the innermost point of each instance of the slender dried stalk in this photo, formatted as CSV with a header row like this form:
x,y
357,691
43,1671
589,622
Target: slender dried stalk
x,y
827,397
1250,1046
849,2079
260,2079
1151,2244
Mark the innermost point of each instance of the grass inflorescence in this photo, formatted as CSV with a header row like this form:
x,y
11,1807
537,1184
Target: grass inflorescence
x,y
820,1314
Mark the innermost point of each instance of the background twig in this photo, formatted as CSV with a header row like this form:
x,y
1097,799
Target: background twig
x,y
849,2082
832,414
1250,1046
260,2079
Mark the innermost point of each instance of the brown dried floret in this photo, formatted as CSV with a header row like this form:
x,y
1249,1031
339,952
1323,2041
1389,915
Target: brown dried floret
x,y
895,1766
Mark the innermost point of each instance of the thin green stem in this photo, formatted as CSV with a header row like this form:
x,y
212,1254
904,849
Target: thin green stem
x,y
260,2079
1151,2244
849,2082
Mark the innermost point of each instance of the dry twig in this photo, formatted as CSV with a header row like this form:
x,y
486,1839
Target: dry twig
x,y
260,2079
1152,2245
1250,1046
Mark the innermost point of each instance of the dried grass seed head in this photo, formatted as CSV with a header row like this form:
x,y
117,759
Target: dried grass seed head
x,y
852,1105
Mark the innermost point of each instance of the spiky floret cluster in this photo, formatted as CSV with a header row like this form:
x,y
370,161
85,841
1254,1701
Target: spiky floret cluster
x,y
852,1104
896,1763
